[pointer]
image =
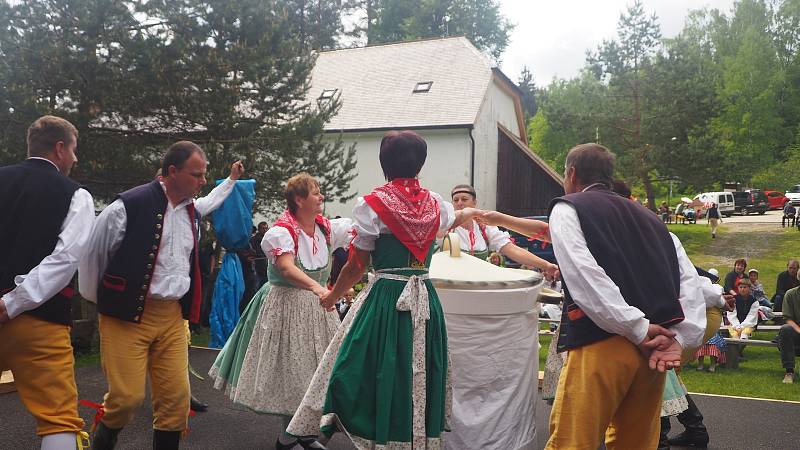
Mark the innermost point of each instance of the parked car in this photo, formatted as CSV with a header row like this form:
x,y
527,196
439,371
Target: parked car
x,y
793,194
724,201
541,249
746,202
776,199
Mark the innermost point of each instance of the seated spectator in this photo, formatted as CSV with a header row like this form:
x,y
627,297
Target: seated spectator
x,y
733,277
664,211
679,216
786,280
757,288
745,316
496,259
789,336
789,215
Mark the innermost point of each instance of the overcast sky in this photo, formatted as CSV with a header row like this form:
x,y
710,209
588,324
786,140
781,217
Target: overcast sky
x,y
551,36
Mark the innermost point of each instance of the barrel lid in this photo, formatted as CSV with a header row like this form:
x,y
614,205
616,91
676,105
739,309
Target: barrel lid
x,y
453,269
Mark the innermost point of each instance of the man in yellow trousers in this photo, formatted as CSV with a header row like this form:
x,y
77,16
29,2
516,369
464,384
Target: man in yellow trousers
x,y
143,270
44,228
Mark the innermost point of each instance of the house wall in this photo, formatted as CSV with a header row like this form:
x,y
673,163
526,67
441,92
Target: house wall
x,y
497,107
447,164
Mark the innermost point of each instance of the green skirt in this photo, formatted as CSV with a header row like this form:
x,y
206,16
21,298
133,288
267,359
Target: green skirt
x,y
225,370
674,400
384,378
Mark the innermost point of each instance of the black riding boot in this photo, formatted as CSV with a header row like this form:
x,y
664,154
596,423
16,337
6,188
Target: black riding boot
x,y
198,406
663,443
105,438
696,434
166,440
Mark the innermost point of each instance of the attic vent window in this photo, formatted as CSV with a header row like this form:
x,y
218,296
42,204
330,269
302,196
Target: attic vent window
x,y
327,94
423,86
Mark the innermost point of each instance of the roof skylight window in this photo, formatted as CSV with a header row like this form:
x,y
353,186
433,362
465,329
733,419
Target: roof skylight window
x,y
423,86
327,94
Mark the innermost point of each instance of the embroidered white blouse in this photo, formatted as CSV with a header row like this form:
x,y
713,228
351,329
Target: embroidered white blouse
x,y
497,239
368,226
313,251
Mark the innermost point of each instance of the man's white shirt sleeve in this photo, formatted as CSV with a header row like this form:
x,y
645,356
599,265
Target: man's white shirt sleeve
x,y
689,332
589,285
107,235
206,205
56,270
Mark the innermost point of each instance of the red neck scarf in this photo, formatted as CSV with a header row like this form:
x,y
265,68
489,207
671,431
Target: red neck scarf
x,y
410,212
289,221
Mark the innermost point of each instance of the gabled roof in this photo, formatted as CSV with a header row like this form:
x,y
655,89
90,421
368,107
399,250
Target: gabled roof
x,y
376,84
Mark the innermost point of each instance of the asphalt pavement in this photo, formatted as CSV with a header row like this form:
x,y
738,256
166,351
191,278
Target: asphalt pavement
x,y
733,423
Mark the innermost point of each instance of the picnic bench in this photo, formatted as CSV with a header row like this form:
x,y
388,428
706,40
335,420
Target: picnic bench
x,y
734,349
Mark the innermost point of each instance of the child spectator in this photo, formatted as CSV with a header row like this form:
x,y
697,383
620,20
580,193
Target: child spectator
x,y
714,349
757,289
745,317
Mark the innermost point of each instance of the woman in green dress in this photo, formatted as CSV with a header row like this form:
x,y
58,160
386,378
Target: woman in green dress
x,y
384,377
268,361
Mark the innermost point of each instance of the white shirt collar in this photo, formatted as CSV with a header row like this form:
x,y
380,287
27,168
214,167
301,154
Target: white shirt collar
x,y
591,186
179,205
45,159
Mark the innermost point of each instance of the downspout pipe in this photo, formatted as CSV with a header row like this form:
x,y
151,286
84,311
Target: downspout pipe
x,y
471,157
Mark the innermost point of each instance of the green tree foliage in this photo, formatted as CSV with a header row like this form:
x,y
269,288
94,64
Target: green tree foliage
x,y
528,88
719,102
399,20
136,76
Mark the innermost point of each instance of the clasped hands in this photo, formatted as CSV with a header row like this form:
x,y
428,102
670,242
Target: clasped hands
x,y
661,348
326,300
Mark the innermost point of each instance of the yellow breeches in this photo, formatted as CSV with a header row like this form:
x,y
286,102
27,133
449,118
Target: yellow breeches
x,y
157,346
39,354
606,384
713,322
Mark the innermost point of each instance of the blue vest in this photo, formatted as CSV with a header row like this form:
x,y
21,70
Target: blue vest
x,y
634,248
35,198
125,284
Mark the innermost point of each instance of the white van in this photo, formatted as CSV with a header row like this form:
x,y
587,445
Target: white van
x,y
724,201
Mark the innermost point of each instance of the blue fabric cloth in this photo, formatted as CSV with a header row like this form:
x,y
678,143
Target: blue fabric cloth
x,y
232,224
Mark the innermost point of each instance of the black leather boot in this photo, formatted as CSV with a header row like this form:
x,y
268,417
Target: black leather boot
x,y
663,442
166,440
197,405
696,434
105,438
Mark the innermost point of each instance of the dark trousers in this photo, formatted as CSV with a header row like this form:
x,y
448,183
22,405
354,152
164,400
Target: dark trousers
x,y
790,220
789,345
777,302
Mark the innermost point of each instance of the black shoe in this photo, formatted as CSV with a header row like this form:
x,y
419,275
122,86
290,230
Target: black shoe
x,y
166,440
663,443
311,443
687,439
289,446
198,406
105,438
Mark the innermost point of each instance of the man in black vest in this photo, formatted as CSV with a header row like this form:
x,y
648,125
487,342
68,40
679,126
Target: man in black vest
x,y
44,229
631,305
143,270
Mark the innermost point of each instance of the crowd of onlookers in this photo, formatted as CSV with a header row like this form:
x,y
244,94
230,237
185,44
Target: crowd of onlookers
x,y
750,306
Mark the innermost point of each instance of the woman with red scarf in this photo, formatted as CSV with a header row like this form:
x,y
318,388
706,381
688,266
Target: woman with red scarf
x,y
384,378
269,359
